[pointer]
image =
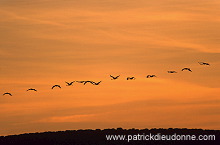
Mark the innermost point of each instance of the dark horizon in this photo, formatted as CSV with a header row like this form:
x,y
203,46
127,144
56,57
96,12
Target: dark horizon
x,y
50,42
116,128
99,137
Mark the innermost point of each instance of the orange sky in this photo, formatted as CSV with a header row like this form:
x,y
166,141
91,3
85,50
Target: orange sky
x,y
48,42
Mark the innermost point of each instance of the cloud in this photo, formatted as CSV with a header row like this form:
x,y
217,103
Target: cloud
x,y
71,118
168,25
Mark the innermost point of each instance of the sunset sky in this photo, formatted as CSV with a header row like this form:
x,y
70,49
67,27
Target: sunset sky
x,y
48,42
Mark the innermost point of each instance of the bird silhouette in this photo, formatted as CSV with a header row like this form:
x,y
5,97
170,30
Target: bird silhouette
x,y
32,90
69,84
151,76
203,63
114,78
187,69
131,78
94,83
7,94
85,82
80,81
171,72
56,86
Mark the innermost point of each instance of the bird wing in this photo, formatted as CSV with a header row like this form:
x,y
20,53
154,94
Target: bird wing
x,y
91,82
7,94
80,81
186,69
98,83
56,86
201,63
31,89
114,77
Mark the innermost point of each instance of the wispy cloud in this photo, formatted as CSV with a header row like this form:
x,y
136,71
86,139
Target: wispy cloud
x,y
71,118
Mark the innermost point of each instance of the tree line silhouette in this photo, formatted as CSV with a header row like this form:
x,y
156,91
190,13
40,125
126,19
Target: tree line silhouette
x,y
98,137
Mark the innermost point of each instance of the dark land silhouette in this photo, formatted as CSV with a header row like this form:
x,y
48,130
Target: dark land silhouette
x,y
98,137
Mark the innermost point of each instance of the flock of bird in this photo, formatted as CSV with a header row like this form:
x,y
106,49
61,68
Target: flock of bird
x,y
112,78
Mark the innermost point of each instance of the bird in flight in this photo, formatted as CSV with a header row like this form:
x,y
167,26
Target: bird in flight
x,y
131,78
80,81
85,82
114,78
7,94
187,69
32,90
203,63
69,84
150,76
56,86
94,83
171,72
